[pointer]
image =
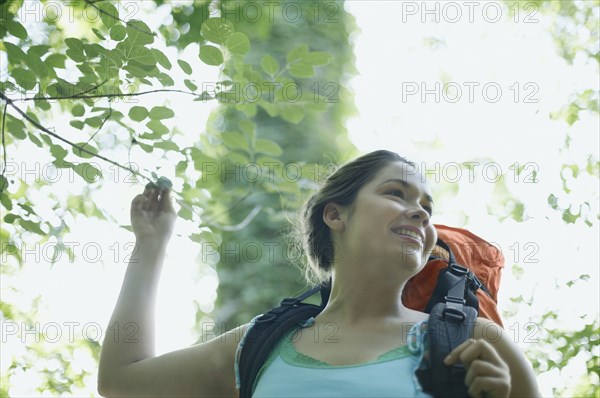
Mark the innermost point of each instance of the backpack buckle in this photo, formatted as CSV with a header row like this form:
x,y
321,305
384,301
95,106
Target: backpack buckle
x,y
455,300
459,270
454,314
474,280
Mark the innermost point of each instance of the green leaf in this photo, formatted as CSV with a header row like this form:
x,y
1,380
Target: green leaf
x,y
24,78
569,217
269,64
35,140
74,44
136,71
78,110
292,113
15,28
39,50
98,34
553,201
10,218
297,53
56,61
93,50
58,152
317,58
142,55
217,30
138,113
185,67
268,147
78,124
190,84
109,14
3,183
157,127
235,140
165,80
94,121
16,127
138,33
14,53
86,147
75,55
238,43
162,59
302,70
167,145
36,65
32,226
248,127
88,172
211,55
161,112
118,32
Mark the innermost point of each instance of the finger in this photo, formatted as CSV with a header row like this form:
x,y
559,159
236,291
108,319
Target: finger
x,y
488,353
165,201
454,355
480,368
489,387
137,202
154,202
148,190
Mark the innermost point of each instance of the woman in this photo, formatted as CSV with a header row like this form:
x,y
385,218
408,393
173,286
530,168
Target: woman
x,y
370,227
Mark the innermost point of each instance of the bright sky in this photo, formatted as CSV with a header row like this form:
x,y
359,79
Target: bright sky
x,y
392,61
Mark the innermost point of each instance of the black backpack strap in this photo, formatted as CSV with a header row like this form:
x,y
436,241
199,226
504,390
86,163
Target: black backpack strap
x,y
443,285
453,309
269,329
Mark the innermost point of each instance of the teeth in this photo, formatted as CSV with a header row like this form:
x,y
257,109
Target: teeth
x,y
408,232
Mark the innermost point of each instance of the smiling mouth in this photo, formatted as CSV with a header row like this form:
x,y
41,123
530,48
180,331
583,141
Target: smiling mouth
x,y
408,235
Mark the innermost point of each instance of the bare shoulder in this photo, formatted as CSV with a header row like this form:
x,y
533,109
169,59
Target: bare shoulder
x,y
201,370
523,380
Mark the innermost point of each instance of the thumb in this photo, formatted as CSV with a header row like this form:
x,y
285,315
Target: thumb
x,y
165,201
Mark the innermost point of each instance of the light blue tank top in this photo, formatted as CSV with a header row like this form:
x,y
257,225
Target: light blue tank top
x,y
289,373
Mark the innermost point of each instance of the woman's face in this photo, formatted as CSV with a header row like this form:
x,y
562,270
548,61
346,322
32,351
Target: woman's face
x,y
389,222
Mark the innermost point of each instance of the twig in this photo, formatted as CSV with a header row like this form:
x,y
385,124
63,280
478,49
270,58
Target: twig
x,y
58,137
233,206
78,96
101,125
243,224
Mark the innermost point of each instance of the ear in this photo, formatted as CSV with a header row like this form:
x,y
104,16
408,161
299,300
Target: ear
x,y
332,216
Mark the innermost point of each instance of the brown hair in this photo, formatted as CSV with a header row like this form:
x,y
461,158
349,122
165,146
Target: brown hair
x,y
340,187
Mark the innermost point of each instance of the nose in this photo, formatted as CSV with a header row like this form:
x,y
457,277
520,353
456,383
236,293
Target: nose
x,y
419,214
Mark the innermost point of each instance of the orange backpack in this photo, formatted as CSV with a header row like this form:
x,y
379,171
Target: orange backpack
x,y
484,259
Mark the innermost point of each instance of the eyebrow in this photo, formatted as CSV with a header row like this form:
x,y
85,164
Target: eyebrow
x,y
407,185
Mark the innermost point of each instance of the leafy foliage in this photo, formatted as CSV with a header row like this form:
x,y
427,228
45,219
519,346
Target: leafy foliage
x,y
275,112
280,127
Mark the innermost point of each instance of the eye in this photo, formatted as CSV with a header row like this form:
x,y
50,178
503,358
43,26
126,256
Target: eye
x,y
396,192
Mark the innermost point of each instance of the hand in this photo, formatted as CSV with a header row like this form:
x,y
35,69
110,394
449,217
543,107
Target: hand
x,y
487,375
153,216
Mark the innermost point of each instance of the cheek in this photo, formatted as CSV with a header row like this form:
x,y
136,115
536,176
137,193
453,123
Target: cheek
x,y
430,238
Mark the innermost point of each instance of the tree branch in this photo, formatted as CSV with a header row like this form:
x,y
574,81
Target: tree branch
x,y
82,95
101,125
58,137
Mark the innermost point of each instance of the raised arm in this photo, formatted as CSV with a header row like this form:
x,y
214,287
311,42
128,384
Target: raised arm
x,y
128,365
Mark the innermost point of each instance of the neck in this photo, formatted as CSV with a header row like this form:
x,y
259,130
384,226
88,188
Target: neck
x,y
358,298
